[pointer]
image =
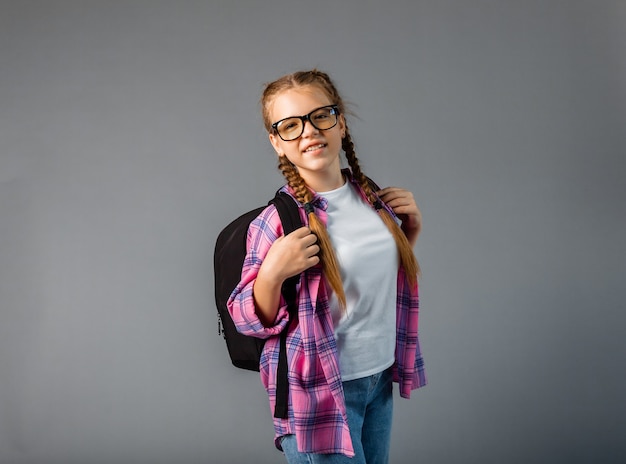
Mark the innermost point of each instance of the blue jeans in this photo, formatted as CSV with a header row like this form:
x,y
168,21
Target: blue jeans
x,y
369,403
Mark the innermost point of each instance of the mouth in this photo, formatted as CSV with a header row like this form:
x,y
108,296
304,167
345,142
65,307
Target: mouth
x,y
318,146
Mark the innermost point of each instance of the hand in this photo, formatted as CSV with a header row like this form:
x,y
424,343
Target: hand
x,y
290,255
403,204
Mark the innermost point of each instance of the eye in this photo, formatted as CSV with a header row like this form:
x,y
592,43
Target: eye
x,y
322,115
289,125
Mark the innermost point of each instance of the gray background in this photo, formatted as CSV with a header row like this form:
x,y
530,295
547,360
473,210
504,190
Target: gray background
x,y
130,134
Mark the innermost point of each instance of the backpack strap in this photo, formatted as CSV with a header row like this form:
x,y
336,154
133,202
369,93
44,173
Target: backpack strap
x,y
290,218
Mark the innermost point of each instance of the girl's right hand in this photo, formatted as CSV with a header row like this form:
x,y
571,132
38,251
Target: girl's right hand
x,y
290,255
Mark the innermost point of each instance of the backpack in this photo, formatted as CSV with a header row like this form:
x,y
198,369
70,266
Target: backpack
x,y
230,251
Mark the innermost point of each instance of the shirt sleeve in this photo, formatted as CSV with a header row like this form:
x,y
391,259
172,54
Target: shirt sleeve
x,y
262,233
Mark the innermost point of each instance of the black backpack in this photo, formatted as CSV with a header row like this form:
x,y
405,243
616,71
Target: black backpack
x,y
230,252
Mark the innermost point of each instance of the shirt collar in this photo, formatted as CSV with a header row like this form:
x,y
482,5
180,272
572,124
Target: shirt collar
x,y
319,201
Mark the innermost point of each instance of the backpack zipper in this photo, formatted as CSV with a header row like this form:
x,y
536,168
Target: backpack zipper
x,y
220,326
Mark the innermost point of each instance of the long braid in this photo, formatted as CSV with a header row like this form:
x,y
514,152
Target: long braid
x,y
407,257
330,264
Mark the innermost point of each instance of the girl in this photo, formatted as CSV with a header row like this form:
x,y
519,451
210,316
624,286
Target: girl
x,y
356,330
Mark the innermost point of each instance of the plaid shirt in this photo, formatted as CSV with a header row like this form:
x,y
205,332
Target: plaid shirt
x,y
317,411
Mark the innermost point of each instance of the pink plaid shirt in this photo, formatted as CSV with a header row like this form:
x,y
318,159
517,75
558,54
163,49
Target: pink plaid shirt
x,y
317,411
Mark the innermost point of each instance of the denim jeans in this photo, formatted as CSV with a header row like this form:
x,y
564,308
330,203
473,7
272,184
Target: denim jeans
x,y
369,404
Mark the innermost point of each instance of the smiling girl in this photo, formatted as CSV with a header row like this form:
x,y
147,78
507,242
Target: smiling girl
x,y
357,325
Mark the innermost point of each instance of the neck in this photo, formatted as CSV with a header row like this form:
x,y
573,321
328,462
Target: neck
x,y
326,182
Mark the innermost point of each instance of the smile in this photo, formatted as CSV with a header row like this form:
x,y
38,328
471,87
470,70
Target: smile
x,y
315,147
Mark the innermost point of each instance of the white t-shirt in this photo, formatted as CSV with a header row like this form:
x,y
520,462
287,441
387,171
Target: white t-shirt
x,y
368,261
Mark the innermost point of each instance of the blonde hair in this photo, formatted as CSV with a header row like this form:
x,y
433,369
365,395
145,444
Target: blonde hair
x,y
304,195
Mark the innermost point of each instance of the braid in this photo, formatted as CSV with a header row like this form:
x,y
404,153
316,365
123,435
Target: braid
x,y
330,264
407,257
348,147
295,181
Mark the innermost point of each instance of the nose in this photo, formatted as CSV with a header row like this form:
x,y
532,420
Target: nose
x,y
309,128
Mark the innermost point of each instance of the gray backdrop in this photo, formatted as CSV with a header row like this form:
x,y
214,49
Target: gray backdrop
x,y
130,134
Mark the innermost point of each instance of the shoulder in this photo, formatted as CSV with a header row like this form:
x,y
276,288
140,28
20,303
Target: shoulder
x,y
265,228
268,222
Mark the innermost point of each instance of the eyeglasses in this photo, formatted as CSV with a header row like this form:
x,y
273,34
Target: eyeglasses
x,y
322,118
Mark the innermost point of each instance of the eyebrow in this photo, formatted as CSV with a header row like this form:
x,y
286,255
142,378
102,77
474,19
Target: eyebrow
x,y
305,114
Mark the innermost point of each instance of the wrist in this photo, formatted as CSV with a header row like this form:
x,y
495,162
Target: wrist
x,y
269,278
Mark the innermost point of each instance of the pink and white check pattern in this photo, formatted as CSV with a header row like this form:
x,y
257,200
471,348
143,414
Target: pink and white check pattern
x,y
317,413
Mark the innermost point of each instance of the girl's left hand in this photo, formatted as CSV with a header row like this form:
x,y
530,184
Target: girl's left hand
x,y
402,203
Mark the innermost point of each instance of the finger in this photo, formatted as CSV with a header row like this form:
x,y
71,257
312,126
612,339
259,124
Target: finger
x,y
301,232
309,240
403,206
398,200
397,195
313,250
388,190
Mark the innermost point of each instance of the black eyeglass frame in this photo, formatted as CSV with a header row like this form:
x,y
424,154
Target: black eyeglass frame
x,y
305,118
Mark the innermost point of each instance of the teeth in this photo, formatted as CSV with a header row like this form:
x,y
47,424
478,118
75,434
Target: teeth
x,y
315,147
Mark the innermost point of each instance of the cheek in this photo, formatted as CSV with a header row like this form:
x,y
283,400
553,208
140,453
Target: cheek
x,y
289,149
282,148
336,140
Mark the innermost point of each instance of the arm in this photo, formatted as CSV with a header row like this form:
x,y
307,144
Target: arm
x,y
256,305
404,206
288,256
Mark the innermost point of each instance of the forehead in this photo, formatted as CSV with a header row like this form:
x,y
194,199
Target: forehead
x,y
297,102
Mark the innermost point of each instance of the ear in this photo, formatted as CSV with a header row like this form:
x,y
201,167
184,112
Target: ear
x,y
342,125
275,141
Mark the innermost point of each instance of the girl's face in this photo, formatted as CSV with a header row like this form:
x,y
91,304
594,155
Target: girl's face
x,y
316,152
